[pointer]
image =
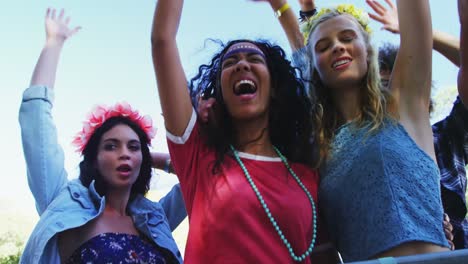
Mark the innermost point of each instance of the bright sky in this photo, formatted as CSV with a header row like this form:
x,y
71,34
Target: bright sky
x,y
109,60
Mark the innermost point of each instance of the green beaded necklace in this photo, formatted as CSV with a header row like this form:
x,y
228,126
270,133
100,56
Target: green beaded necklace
x,y
267,210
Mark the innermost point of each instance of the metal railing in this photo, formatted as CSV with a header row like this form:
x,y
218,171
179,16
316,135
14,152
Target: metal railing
x,y
449,257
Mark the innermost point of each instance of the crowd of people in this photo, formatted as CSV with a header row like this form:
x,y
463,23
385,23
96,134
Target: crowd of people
x,y
325,157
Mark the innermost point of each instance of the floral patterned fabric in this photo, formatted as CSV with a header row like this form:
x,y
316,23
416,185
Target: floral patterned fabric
x,y
117,248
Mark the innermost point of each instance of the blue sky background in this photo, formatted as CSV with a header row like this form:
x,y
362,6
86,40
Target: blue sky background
x,y
109,60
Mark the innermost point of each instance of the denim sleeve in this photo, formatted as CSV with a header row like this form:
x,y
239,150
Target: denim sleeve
x,y
44,156
174,207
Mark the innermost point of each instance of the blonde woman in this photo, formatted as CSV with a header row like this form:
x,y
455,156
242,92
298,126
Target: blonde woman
x,y
379,185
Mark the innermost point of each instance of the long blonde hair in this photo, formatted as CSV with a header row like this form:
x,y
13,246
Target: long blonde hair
x,y
373,100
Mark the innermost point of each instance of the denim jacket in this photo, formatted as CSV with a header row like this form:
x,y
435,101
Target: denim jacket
x,y
64,204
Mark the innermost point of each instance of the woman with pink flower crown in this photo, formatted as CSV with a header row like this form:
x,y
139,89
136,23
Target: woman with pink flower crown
x,y
102,217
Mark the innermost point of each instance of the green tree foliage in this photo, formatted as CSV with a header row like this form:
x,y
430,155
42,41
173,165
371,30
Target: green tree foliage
x,y
11,259
11,246
443,99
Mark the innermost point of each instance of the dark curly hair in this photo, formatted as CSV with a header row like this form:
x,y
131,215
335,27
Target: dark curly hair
x,y
290,125
387,56
89,172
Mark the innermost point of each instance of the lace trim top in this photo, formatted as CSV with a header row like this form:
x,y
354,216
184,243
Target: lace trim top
x,y
117,248
379,190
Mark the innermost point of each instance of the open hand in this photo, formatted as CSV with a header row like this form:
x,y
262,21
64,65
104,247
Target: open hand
x,y
388,17
57,29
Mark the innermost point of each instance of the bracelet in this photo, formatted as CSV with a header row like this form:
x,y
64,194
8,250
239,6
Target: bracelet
x,y
304,15
282,9
167,166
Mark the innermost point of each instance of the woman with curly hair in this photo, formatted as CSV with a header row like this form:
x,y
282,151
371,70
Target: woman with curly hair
x,y
246,175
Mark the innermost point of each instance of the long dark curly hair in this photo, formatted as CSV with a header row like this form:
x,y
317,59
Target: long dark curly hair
x,y
88,168
290,124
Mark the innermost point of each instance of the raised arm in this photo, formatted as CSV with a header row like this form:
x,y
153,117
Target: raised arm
x,y
44,156
307,5
57,32
172,83
410,83
412,72
289,21
445,44
162,161
463,71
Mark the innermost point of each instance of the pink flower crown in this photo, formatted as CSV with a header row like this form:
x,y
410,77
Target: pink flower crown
x,y
102,113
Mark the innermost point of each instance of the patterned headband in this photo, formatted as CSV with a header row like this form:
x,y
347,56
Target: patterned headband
x,y
245,47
